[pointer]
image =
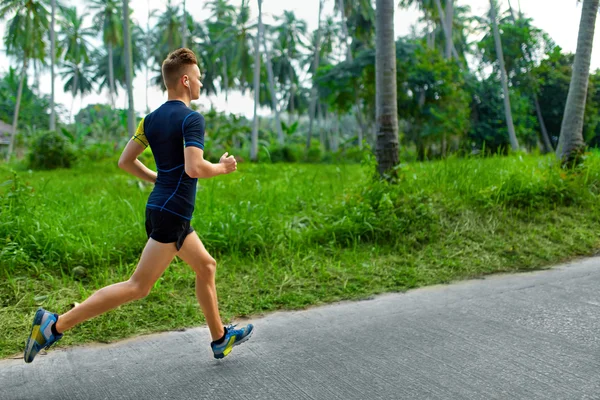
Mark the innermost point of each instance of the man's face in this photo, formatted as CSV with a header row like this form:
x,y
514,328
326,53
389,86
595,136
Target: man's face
x,y
194,81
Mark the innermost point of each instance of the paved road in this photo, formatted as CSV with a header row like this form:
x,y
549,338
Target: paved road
x,y
526,336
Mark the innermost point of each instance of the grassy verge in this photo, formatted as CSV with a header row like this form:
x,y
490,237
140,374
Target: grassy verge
x,y
286,236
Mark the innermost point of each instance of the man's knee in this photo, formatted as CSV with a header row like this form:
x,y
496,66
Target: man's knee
x,y
206,269
138,290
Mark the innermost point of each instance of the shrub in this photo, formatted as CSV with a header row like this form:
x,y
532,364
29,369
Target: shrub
x,y
51,150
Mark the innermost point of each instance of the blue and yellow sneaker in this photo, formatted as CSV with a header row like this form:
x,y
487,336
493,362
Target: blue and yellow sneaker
x,y
42,335
233,337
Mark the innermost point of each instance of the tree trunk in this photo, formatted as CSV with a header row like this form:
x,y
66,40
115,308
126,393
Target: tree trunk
x,y
16,112
349,58
273,93
336,135
111,76
52,64
449,26
547,145
147,56
386,100
507,110
545,137
74,92
445,27
184,28
292,104
225,77
512,13
128,68
313,89
254,143
345,31
570,142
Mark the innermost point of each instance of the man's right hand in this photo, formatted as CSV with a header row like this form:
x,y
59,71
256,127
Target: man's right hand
x,y
228,163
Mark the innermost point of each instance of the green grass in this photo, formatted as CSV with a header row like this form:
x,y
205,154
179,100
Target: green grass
x,y
286,236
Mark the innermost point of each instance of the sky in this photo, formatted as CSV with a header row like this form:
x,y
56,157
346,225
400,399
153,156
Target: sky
x,y
559,18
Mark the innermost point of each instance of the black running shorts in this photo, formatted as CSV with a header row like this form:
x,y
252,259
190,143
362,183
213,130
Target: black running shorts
x,y
166,227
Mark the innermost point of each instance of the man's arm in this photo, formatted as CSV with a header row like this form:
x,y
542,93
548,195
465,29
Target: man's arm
x,y
197,167
128,162
195,164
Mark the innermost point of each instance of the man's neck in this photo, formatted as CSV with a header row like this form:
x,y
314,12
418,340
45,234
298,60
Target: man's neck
x,y
181,97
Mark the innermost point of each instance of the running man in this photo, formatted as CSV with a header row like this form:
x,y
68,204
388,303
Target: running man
x,y
175,133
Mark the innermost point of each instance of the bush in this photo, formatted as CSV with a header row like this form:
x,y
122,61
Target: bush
x,y
99,151
313,154
286,153
51,150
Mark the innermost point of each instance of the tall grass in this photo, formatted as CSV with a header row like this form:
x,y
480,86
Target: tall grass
x,y
286,235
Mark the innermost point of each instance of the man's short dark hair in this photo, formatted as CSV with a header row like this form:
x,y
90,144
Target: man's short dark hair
x,y
175,63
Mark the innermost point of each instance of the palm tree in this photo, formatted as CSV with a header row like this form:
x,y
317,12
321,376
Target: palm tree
x,y
273,92
24,39
131,121
570,143
242,46
147,50
222,31
167,35
357,10
100,57
254,140
385,76
546,144
503,76
79,79
75,46
313,90
108,21
289,40
52,64
184,29
434,13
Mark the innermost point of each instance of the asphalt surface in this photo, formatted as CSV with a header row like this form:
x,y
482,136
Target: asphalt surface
x,y
524,336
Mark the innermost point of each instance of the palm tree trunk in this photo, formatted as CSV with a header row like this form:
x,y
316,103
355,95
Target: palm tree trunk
x,y
449,26
292,105
507,110
448,54
335,139
545,137
128,68
225,77
147,55
111,76
570,142
273,93
313,89
254,142
512,13
385,82
74,92
444,23
345,31
52,64
16,112
184,27
349,58
546,144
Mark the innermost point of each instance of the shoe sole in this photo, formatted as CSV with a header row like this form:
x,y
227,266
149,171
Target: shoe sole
x,y
245,339
37,320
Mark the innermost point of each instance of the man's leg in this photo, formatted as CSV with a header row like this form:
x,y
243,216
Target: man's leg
x,y
194,253
196,256
155,258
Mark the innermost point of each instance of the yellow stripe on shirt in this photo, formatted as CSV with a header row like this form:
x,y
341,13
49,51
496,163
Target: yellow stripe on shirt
x,y
140,135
